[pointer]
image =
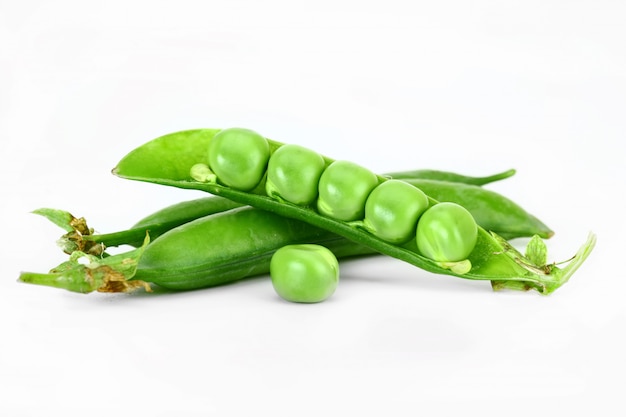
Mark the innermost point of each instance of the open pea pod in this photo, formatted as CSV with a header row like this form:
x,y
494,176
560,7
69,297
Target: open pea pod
x,y
168,160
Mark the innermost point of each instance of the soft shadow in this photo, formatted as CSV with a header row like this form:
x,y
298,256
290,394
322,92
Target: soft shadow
x,y
160,293
393,272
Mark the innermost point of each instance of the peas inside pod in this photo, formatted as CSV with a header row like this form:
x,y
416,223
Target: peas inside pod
x,y
341,190
392,210
238,157
293,173
447,233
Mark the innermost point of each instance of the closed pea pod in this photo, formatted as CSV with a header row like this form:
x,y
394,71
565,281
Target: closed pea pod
x,y
229,246
221,248
392,210
293,173
213,250
238,157
168,218
343,189
155,224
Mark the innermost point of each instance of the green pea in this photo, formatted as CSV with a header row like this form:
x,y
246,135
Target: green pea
x,y
304,273
392,210
446,232
343,189
239,157
293,173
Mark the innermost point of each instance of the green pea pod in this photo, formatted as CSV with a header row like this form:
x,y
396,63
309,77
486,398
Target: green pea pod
x,y
80,237
213,250
165,219
229,246
490,260
432,174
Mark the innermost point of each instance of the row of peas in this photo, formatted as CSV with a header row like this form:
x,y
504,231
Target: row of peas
x,y
391,210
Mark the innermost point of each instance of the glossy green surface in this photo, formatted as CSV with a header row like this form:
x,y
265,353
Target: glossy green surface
x,y
293,173
304,273
439,175
343,189
238,157
446,232
229,246
163,220
392,210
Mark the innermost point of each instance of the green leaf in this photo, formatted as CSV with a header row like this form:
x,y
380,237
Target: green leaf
x,y
536,251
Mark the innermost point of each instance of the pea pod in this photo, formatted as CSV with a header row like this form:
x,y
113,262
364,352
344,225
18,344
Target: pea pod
x,y
438,175
229,246
490,260
212,250
81,238
165,219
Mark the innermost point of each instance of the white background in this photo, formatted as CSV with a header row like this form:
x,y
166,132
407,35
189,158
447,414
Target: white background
x,y
475,87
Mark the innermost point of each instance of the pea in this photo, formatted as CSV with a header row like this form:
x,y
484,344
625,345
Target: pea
x,y
293,173
343,189
304,273
392,210
239,157
446,232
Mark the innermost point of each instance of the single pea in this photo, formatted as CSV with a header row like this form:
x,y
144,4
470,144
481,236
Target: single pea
x,y
343,189
392,210
293,173
239,157
446,232
304,273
